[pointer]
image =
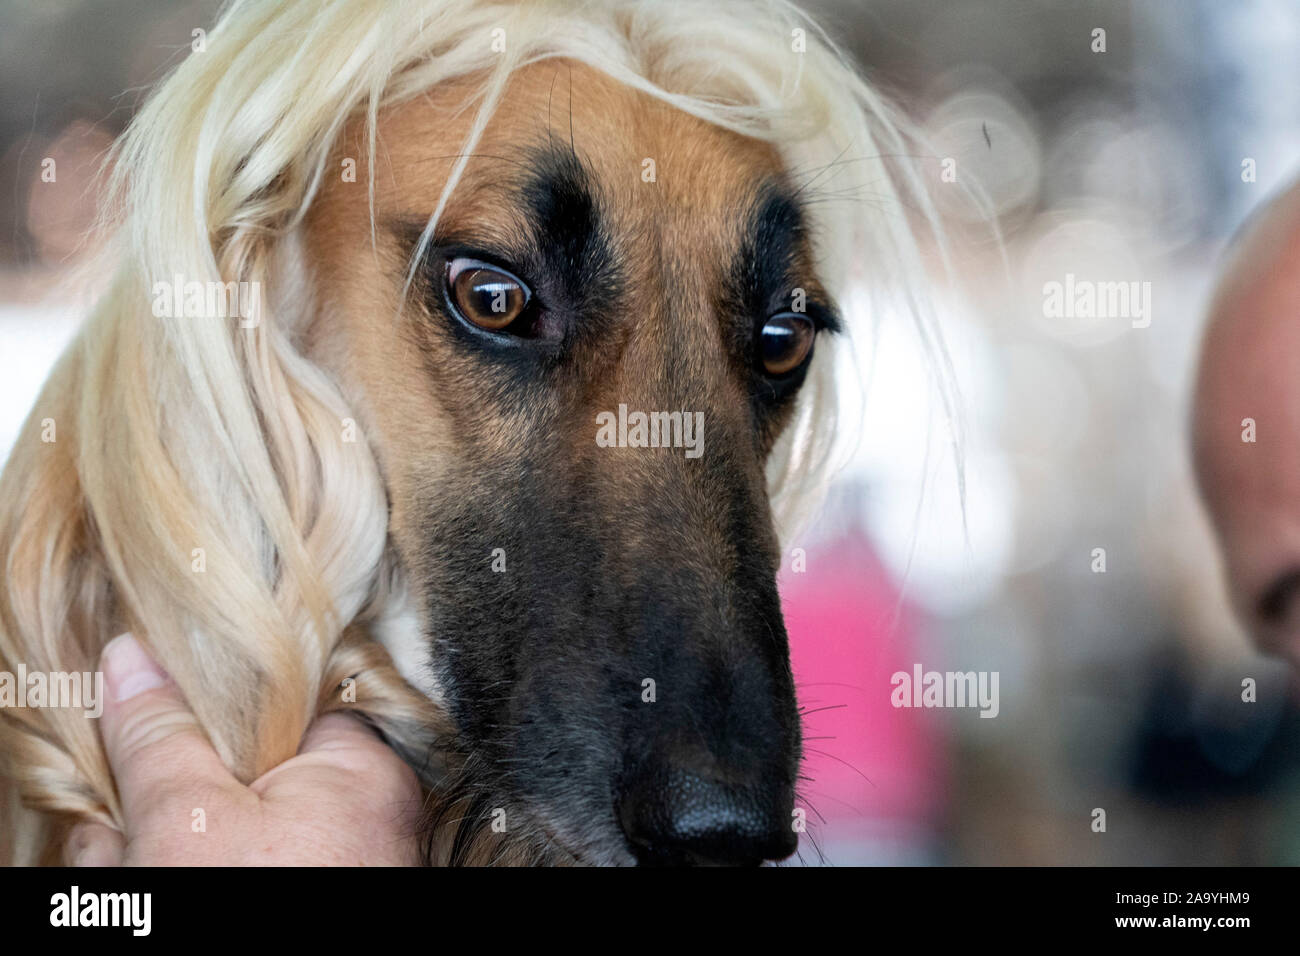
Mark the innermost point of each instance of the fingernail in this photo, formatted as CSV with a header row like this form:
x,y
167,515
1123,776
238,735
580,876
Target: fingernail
x,y
128,670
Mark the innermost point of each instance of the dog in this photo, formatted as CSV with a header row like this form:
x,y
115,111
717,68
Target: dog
x,y
541,348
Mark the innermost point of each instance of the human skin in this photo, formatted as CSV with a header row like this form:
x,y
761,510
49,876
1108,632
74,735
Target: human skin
x,y
345,799
1249,370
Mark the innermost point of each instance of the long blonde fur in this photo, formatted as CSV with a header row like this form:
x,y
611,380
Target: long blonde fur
x,y
176,434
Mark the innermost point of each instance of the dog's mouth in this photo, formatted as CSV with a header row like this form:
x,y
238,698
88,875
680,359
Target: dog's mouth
x,y
677,820
619,850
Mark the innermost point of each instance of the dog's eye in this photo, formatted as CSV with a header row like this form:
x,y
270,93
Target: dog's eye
x,y
484,294
784,342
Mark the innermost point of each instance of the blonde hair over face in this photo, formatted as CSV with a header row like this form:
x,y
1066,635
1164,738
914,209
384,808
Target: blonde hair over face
x,y
177,433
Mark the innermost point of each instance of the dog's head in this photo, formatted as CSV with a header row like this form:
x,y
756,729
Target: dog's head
x,y
572,407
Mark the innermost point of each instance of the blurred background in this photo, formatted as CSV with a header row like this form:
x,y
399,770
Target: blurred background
x,y
1120,689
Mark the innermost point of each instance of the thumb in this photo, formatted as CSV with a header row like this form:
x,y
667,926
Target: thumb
x,y
159,756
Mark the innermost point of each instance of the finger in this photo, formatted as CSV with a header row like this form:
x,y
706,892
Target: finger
x,y
93,844
339,731
159,755
344,751
334,742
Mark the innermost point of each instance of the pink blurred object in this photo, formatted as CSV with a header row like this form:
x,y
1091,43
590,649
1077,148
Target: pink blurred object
x,y
877,772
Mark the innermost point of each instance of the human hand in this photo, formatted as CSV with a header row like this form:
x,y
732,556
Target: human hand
x,y
345,799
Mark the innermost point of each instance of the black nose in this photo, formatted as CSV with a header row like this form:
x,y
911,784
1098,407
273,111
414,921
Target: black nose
x,y
676,817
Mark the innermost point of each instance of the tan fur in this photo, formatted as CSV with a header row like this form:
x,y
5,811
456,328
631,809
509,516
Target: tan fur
x,y
686,222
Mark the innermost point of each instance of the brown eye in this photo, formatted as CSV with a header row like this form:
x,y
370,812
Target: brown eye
x,y
784,342
484,294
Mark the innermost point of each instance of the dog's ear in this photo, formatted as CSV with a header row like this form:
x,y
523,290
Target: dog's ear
x,y
188,475
204,489
196,480
56,611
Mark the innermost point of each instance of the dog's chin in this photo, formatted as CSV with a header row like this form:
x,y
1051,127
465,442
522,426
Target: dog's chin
x,y
459,832
569,845
590,855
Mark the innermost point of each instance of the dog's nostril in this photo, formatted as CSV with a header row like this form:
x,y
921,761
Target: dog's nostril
x,y
679,818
